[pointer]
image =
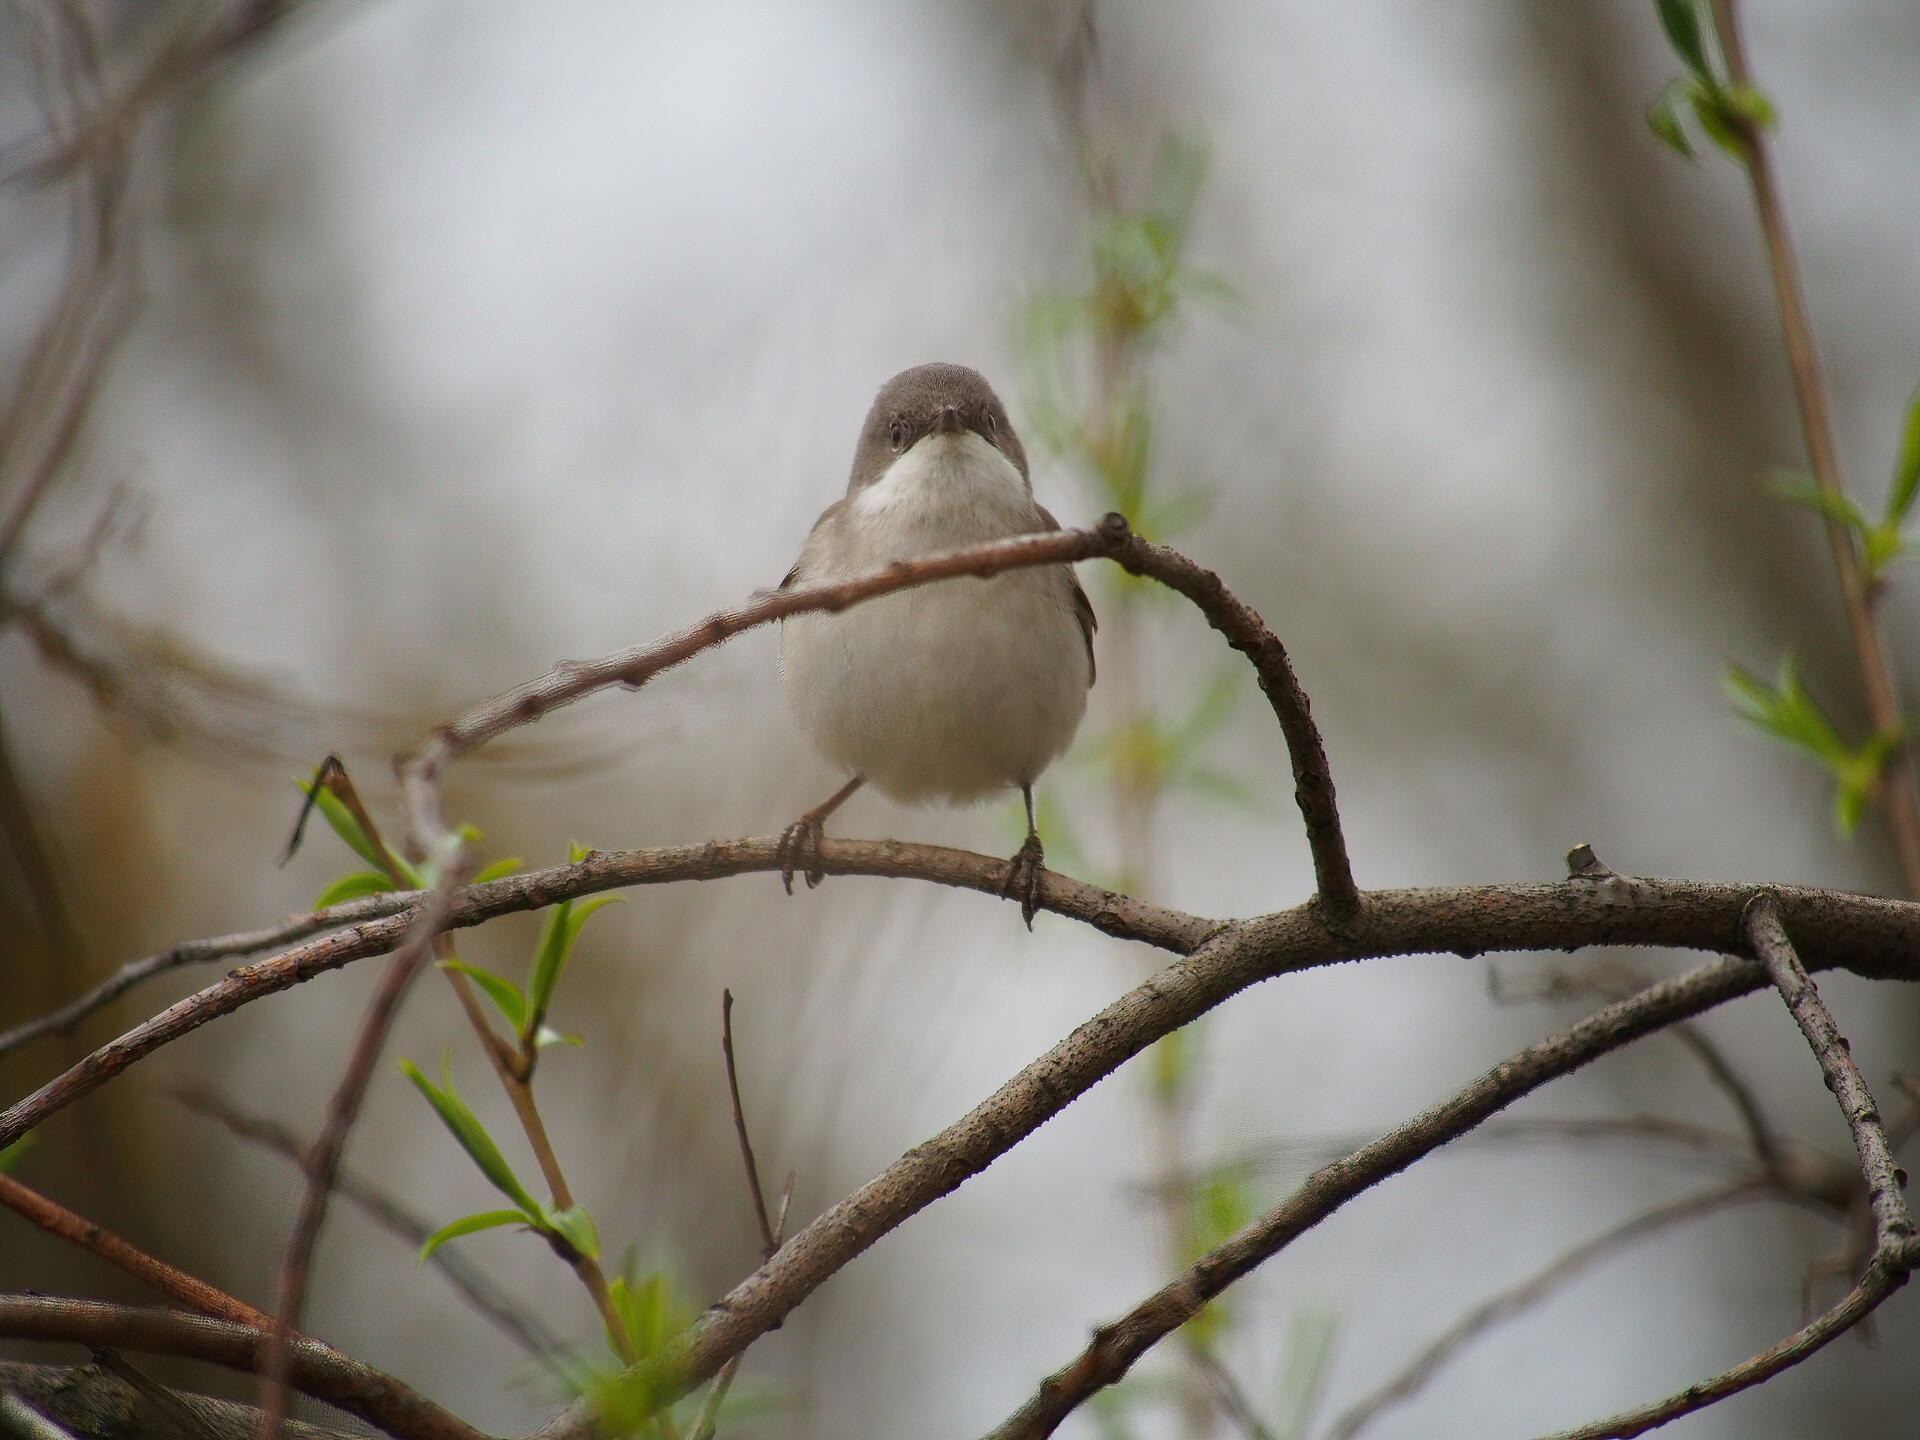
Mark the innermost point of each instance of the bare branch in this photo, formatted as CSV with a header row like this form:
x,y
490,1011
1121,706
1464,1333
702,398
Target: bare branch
x,y
478,1291
200,952
421,769
124,1255
1885,1180
322,1162
317,1369
1115,1347
1246,632
767,1241
1887,1272
1509,1302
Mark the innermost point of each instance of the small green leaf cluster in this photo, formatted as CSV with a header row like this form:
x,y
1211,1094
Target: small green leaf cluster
x,y
526,1012
572,1227
1784,710
1165,754
1882,539
629,1399
378,880
1140,279
1727,113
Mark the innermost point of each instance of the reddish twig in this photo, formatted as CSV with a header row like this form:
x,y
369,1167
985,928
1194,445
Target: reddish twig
x,y
421,769
316,1369
1900,803
474,1287
322,1161
124,1255
768,1243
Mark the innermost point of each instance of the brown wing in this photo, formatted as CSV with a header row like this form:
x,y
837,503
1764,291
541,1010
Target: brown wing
x,y
800,564
1082,607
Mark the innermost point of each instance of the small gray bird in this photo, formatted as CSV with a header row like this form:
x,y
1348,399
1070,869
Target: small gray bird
x,y
948,691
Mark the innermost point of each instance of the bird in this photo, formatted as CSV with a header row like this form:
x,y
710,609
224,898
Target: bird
x,y
947,692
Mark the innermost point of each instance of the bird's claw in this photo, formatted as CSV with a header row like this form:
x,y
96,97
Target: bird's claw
x,y
799,849
1023,878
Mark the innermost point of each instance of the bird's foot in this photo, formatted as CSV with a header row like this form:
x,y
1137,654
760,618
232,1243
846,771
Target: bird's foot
x,y
1023,878
799,849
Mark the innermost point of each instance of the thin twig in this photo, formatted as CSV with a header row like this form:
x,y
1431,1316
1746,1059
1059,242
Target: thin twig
x,y
705,1422
768,1243
1505,1304
1116,1346
317,1370
478,1291
123,1254
322,1161
200,952
421,769
513,1068
1245,631
1887,1273
1892,1222
1900,803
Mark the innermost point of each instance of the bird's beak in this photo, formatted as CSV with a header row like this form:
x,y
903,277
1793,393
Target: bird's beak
x,y
948,421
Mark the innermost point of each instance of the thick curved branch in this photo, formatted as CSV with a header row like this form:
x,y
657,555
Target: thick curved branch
x,y
1115,1347
1246,632
1116,915
317,1370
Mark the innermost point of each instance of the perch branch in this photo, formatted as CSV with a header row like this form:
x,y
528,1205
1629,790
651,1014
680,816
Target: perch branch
x,y
317,1369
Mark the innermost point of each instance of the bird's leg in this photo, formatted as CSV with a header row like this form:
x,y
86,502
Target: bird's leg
x,y
1023,871
799,847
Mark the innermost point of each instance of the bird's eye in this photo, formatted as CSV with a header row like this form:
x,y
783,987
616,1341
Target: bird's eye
x,y
993,427
898,432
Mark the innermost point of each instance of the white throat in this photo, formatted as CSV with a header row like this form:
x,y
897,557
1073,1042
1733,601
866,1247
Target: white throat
x,y
955,483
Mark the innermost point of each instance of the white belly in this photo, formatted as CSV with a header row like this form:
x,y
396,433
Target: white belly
x,y
951,690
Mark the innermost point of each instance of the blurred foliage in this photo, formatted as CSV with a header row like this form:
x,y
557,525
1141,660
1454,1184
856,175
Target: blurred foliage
x,y
1786,711
1725,112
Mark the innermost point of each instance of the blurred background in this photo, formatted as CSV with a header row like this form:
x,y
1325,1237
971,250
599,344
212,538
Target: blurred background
x,y
426,344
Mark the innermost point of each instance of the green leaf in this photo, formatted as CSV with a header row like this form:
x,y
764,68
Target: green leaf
x,y
1906,469
1797,489
1785,711
499,870
557,939
1725,125
1681,20
1750,105
546,1035
468,1225
352,887
466,1128
1880,546
576,1227
340,819
505,995
1663,119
